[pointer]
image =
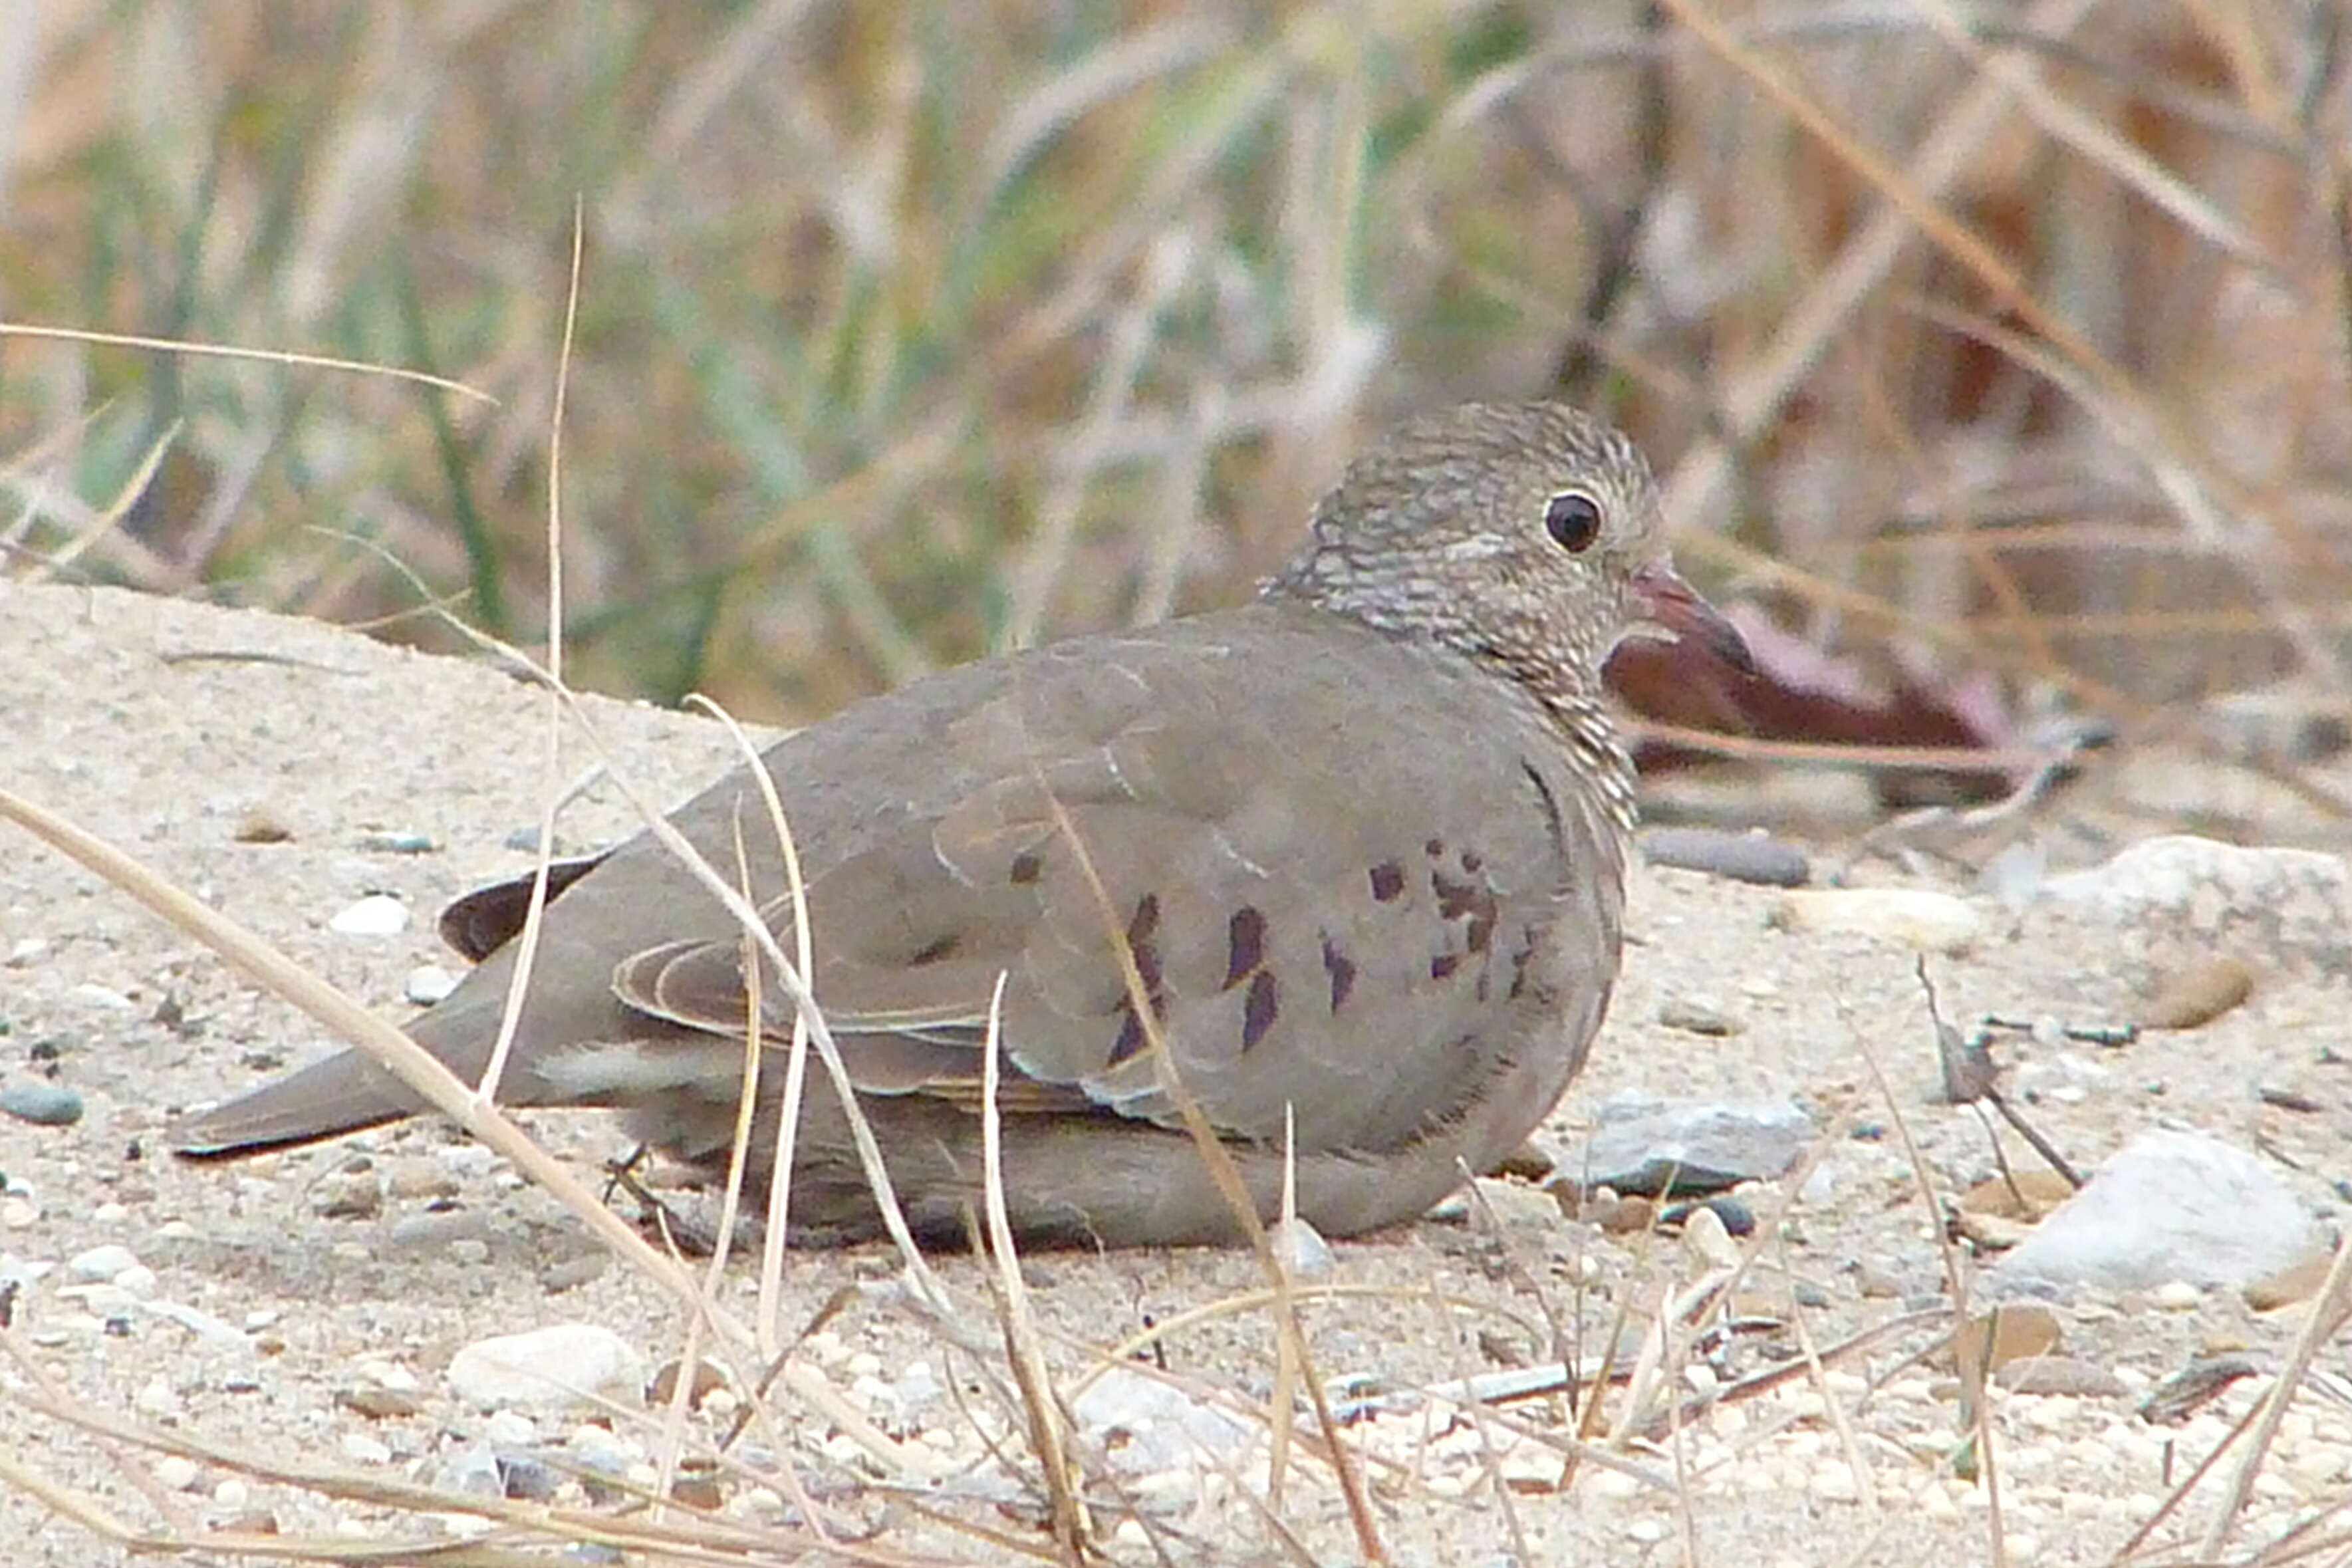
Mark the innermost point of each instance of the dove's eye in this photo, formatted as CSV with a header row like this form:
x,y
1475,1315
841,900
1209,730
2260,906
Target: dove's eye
x,y
1573,520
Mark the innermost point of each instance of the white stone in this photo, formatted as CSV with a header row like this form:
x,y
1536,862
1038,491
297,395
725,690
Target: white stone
x,y
2182,890
362,1449
2168,1207
1613,1484
99,1264
1916,918
557,1367
511,1429
378,914
1301,1249
1147,1427
1835,1482
428,984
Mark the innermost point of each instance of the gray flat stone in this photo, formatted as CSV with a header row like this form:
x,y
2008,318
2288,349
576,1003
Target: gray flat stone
x,y
2168,1206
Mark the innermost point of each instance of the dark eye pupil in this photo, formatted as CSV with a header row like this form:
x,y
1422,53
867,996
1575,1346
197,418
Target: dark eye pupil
x,y
1573,520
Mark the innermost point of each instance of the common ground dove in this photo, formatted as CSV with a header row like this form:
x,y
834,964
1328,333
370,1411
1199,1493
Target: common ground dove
x,y
1364,839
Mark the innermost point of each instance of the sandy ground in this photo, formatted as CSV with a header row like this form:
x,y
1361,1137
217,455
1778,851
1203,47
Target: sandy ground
x,y
167,727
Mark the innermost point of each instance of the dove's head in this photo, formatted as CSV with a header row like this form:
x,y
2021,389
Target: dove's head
x,y
1524,535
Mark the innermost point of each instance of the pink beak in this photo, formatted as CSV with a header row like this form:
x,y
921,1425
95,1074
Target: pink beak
x,y
1662,599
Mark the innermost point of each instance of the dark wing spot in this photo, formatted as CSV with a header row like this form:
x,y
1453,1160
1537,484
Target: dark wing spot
x,y
1140,944
1141,934
1443,964
936,950
1454,898
1471,862
1342,971
1245,945
1387,881
1475,901
1259,1008
1131,1038
1434,848
1026,869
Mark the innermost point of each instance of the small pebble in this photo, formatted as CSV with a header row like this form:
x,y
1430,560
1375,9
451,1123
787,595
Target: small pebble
x,y
420,1176
348,1195
1301,1249
511,1429
175,1473
473,1470
1741,857
707,1377
42,1103
260,825
550,1368
1916,918
1707,1237
2055,1375
428,984
1835,1482
360,1449
99,1264
398,843
378,914
572,1273
2195,996
1736,1217
2179,1296
1696,1014
379,1404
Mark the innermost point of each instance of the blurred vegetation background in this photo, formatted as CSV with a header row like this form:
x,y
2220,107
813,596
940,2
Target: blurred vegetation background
x,y
2009,337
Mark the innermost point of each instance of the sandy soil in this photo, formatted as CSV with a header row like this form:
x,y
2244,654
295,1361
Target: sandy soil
x,y
168,728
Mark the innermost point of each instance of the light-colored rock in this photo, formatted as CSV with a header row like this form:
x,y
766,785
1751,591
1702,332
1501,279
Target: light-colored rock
x,y
560,1366
100,1263
378,914
428,984
1916,918
2168,1207
1301,1249
1145,1426
2184,897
